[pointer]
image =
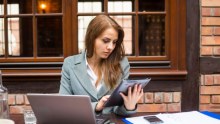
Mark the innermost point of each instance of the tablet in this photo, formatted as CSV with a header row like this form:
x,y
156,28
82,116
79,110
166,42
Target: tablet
x,y
115,99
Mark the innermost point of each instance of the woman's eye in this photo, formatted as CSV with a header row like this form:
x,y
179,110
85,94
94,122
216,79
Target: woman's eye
x,y
105,41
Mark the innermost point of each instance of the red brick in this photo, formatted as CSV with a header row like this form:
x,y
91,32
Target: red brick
x,y
210,107
167,97
202,80
206,11
158,97
209,79
11,99
174,107
210,40
210,89
210,20
149,97
207,30
19,99
216,11
26,102
216,51
152,108
16,109
211,3
217,79
216,99
206,50
216,31
176,96
205,98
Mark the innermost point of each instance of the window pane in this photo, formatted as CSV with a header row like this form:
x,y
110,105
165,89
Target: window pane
x,y
152,35
89,6
49,36
151,5
120,6
49,6
20,37
2,38
1,7
127,24
19,7
83,22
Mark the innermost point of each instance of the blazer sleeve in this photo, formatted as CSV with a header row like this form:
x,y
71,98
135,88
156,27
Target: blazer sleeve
x,y
65,85
121,110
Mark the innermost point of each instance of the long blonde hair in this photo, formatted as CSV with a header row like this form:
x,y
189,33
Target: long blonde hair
x,y
110,67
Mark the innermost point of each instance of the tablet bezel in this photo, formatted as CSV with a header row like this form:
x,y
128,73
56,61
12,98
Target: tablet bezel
x,y
115,99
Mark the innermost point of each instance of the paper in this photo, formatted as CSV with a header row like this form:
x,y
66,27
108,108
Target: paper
x,y
193,117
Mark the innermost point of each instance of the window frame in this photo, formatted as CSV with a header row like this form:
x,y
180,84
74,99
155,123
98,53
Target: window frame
x,y
172,66
169,67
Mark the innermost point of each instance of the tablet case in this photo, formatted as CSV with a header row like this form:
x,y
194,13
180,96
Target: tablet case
x,y
115,99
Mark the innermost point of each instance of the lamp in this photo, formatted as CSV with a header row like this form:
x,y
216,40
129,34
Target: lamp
x,y
43,7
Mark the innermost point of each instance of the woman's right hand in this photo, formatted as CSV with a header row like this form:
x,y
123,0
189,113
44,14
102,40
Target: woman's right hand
x,y
101,103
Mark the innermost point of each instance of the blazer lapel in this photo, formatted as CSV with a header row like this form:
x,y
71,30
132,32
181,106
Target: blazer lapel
x,y
80,71
103,90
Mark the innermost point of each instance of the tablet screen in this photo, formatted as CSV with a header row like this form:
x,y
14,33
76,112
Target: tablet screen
x,y
115,99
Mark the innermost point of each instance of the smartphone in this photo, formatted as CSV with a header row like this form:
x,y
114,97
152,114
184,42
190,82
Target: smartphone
x,y
153,120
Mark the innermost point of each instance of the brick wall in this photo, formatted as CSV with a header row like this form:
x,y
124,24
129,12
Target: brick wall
x,y
151,102
210,46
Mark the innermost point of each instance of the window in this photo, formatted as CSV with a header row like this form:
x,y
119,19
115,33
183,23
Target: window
x,y
152,32
39,34
31,29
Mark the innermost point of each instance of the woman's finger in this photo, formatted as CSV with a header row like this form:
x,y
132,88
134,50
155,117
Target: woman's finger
x,y
129,92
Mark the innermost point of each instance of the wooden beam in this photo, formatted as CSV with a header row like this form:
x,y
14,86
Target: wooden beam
x,y
209,65
190,88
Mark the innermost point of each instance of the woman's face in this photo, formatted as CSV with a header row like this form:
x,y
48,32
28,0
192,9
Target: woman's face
x,y
105,43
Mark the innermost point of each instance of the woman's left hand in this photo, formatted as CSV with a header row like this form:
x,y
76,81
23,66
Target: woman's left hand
x,y
133,97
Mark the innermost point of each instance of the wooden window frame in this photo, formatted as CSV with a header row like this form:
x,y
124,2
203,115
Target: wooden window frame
x,y
168,67
172,66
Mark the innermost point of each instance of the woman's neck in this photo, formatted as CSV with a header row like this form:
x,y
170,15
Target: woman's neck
x,y
94,62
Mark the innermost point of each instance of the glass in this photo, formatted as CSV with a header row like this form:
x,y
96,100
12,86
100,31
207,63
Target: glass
x,y
83,22
90,6
151,5
152,35
49,37
49,6
29,117
2,38
19,7
20,37
4,108
127,24
121,6
1,7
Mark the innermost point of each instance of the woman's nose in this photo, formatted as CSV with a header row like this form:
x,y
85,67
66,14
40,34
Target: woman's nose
x,y
110,46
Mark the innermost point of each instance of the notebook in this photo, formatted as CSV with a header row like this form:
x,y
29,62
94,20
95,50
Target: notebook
x,y
63,109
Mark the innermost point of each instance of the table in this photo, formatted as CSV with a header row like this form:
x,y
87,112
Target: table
x,y
19,118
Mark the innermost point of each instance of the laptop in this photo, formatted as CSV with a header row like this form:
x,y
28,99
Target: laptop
x,y
64,109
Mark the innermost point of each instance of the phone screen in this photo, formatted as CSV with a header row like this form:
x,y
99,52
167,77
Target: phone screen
x,y
153,119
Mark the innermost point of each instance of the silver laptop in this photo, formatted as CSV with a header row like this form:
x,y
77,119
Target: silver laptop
x,y
63,109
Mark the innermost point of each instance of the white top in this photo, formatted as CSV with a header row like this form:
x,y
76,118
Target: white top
x,y
92,76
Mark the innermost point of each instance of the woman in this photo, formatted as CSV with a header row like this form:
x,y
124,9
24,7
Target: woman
x,y
100,68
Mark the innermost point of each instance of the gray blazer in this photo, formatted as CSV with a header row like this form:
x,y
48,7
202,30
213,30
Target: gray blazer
x,y
75,81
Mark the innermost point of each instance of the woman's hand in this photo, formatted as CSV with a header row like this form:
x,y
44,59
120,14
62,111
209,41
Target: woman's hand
x,y
132,98
101,103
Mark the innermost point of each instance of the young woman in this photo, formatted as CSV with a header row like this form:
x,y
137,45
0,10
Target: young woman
x,y
100,68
